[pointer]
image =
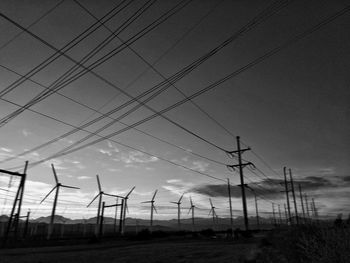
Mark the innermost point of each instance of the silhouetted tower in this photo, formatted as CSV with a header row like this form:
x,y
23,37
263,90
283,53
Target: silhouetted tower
x,y
287,193
273,213
230,202
17,203
302,203
307,206
241,165
280,214
294,199
285,213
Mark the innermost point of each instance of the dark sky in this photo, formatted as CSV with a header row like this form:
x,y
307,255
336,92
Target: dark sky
x,y
292,109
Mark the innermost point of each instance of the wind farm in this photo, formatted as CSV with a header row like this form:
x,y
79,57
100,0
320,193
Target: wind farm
x,y
179,131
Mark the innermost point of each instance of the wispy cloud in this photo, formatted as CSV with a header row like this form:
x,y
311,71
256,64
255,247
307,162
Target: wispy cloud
x,y
26,133
84,177
137,157
6,149
199,166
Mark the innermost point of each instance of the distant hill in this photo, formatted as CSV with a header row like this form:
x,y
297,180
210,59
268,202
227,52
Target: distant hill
x,y
171,224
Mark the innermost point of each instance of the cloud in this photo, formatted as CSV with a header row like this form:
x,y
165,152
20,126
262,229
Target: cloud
x,y
6,149
26,133
83,177
199,166
137,157
106,152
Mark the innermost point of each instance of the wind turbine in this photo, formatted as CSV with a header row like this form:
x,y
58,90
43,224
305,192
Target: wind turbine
x,y
192,209
178,203
57,187
99,195
124,207
212,211
153,208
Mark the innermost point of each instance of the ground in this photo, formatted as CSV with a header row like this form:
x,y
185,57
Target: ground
x,y
150,251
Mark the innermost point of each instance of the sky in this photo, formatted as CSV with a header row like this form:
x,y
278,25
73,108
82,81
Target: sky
x,y
291,108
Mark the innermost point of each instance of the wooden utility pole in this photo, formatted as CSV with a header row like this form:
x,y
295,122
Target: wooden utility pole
x,y
230,202
287,193
26,225
307,206
241,165
273,213
280,215
294,199
256,210
116,215
314,208
285,213
302,203
17,204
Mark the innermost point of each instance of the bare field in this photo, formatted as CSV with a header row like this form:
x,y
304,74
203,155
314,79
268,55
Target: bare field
x,y
157,251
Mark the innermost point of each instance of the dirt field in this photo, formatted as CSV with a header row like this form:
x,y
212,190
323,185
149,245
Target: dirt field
x,y
153,251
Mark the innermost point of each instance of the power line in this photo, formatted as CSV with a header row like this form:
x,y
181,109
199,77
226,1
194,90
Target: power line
x,y
32,24
93,65
58,52
189,68
224,79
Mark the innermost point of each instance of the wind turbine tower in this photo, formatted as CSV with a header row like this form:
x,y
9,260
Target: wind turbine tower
x,y
192,209
212,211
124,208
178,203
153,208
99,196
57,188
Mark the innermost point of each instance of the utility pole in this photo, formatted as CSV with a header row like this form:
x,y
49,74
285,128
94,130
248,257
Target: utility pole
x,y
294,199
302,203
241,165
314,209
257,211
273,213
230,202
280,215
287,193
285,213
17,204
116,215
307,206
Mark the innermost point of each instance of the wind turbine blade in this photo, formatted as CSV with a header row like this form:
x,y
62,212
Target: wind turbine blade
x,y
211,203
127,208
174,203
132,189
54,173
93,200
191,201
112,195
155,210
189,210
146,202
154,194
210,211
67,186
180,199
48,194
98,183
